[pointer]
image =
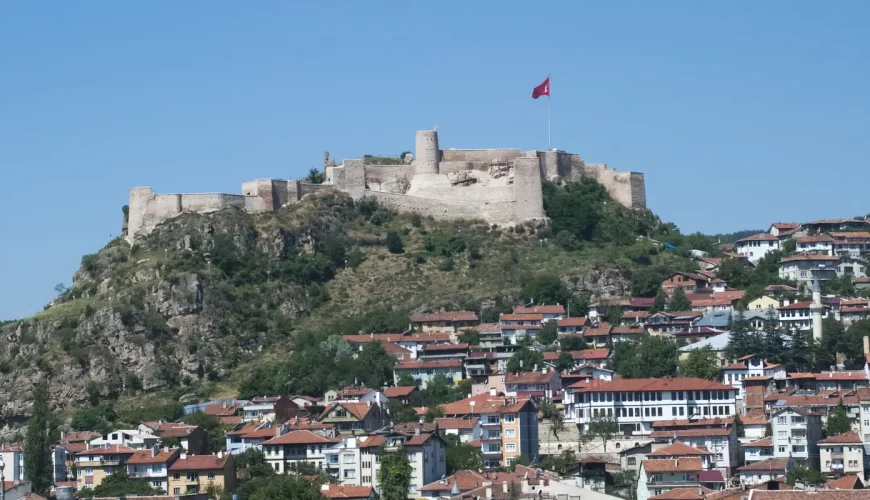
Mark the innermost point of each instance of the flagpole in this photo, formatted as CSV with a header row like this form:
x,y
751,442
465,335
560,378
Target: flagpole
x,y
549,146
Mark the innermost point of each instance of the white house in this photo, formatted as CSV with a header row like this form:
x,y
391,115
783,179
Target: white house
x,y
126,437
660,476
750,366
757,451
797,315
284,451
518,326
821,244
796,433
549,312
13,459
756,246
468,429
716,435
424,371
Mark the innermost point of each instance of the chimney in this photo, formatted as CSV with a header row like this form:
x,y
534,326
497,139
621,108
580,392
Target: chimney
x,y
504,486
492,389
155,450
324,487
183,455
369,403
866,346
226,405
417,431
220,454
488,492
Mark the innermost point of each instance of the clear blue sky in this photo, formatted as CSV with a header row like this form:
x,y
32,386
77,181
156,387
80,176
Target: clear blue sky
x,y
739,113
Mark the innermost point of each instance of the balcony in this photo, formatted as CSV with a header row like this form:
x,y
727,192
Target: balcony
x,y
836,456
487,422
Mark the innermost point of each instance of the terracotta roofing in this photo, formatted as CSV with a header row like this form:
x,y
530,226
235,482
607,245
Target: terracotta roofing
x,y
627,330
421,338
761,443
854,234
730,294
222,410
542,309
300,437
779,288
635,315
418,439
200,462
786,225
600,330
578,321
845,483
846,438
691,433
12,448
340,491
445,347
641,302
711,476
655,384
395,349
520,317
820,238
444,316
457,423
530,377
846,375
758,237
353,392
854,310
769,464
144,456
414,365
485,403
691,464
754,420
809,257
245,429
359,410
683,494
81,436
591,354
109,450
678,450
711,302
488,328
399,391
73,448
168,429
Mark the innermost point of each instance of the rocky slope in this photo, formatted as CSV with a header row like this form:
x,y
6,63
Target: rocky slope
x,y
204,295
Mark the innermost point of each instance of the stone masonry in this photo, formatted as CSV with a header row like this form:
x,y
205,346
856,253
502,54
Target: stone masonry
x,y
500,186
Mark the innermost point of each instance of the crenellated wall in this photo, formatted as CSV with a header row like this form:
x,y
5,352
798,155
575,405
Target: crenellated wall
x,y
500,186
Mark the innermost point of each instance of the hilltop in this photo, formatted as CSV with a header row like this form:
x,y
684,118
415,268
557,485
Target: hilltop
x,y
193,306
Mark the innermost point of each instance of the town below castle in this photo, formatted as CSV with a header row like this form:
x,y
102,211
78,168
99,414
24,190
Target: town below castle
x,y
500,186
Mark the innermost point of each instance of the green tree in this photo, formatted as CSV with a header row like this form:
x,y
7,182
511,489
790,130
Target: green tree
x,y
839,421
251,464
554,415
549,333
461,456
561,463
788,247
679,302
572,343
701,363
406,380
525,359
394,242
394,475
738,338
652,357
545,289
374,366
601,427
799,355
470,336
660,302
41,436
773,344
286,487
514,491
400,412
119,484
315,176
803,474
565,361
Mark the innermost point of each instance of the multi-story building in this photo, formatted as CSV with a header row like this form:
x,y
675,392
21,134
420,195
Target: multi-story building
x,y
355,394
152,466
842,454
268,408
854,244
796,316
796,433
355,461
286,452
597,335
637,403
716,435
800,268
627,333
772,469
660,476
354,418
450,321
195,473
821,244
490,336
756,451
13,458
411,342
509,426
93,465
133,439
444,352
573,326
467,429
688,282
424,371
550,312
750,366
515,327
755,247
534,384
190,437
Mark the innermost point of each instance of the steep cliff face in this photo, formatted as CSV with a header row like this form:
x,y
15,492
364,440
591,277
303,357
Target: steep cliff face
x,y
206,294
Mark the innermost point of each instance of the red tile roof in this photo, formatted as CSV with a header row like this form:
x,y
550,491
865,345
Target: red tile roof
x,y
854,234
698,493
627,330
779,288
413,365
600,330
678,450
807,258
761,443
854,375
635,315
691,464
144,456
845,483
530,377
111,450
300,437
579,321
457,423
847,438
222,411
399,391
485,403
542,309
174,430
820,238
359,410
520,317
200,462
786,225
701,422
444,316
778,464
758,237
339,491
654,384
82,436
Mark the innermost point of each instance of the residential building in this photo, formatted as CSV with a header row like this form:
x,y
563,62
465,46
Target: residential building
x,y
841,380
852,244
444,352
342,492
796,433
716,435
754,427
707,305
287,451
92,466
190,437
448,321
670,322
573,325
630,458
796,316
757,451
424,371
13,458
763,303
852,267
515,327
18,490
412,342
134,439
467,429
480,365
627,333
750,366
152,466
842,454
783,229
355,394
678,450
227,412
354,418
660,476
597,335
629,318
268,408
400,393
550,312
637,403
821,244
755,247
509,426
800,268
490,336
594,357
772,469
717,343
195,473
689,282
534,384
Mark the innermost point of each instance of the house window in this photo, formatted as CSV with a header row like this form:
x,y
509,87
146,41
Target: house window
x,y
510,433
631,461
349,459
349,474
510,447
509,418
176,476
157,483
176,491
211,476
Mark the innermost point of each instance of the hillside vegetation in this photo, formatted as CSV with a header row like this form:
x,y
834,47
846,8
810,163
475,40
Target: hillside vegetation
x,y
192,309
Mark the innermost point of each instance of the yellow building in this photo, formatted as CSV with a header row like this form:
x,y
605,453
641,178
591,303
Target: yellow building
x,y
195,473
763,303
92,466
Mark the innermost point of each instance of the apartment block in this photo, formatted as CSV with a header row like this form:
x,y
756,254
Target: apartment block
x,y
796,433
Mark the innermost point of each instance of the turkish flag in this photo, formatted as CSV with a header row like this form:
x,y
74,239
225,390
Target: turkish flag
x,y
542,89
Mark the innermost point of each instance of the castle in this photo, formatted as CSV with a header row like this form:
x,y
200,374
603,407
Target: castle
x,y
500,186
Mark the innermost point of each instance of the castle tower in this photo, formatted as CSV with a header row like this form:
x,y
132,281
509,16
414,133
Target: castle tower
x,y
816,308
428,153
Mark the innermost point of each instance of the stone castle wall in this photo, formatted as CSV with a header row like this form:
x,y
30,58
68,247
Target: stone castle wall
x,y
500,186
